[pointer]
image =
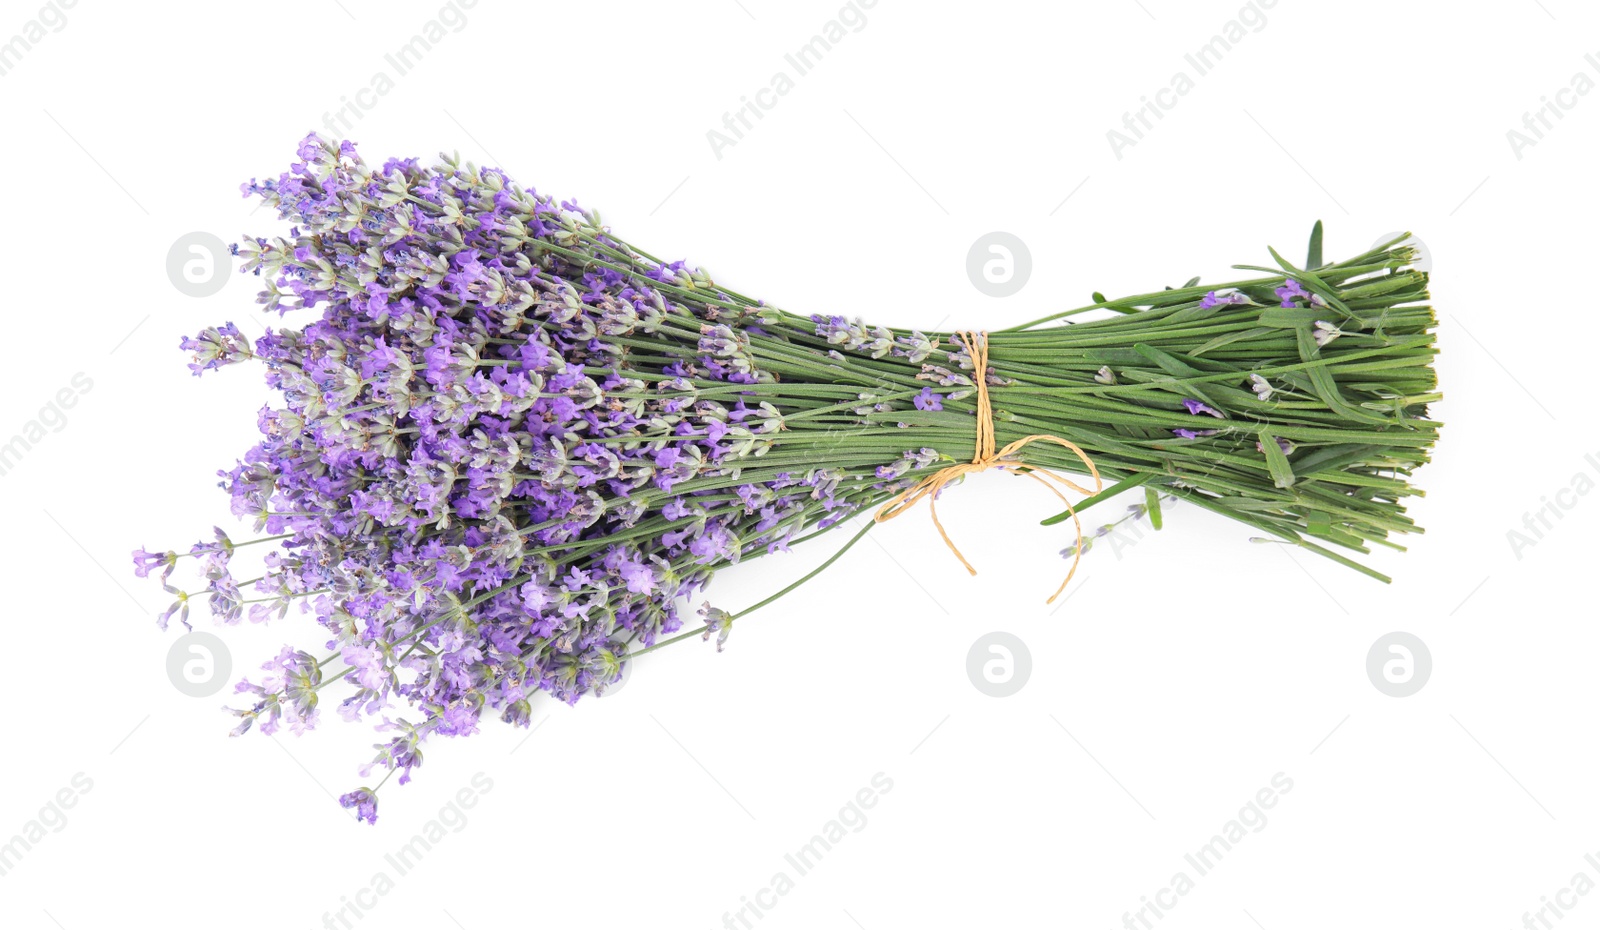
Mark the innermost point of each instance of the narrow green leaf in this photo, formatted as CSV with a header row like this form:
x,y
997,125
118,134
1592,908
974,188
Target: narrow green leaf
x,y
1335,457
1227,338
1314,252
1152,506
1123,485
1291,317
1349,541
1177,368
1323,384
1277,462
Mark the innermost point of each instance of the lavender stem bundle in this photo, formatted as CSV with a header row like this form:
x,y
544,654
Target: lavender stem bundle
x,y
513,447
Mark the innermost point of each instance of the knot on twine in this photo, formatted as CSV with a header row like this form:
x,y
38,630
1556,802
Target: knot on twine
x,y
985,457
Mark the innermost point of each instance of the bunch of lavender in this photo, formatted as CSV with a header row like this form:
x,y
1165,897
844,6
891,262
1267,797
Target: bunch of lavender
x,y
512,448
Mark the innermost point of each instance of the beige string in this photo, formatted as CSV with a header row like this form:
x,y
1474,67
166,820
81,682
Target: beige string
x,y
985,457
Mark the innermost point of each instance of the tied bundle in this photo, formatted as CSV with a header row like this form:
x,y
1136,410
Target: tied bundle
x,y
513,448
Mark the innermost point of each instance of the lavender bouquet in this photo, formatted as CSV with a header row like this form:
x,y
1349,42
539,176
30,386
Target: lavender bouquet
x,y
514,448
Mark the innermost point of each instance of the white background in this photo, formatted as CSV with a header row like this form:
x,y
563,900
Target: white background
x,y
1183,673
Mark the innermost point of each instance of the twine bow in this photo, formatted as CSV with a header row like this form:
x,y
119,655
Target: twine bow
x,y
985,457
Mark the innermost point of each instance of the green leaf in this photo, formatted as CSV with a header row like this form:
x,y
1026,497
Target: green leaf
x,y
1292,317
1277,463
1086,503
1335,457
1348,540
1178,369
1324,386
1152,506
1227,338
1314,252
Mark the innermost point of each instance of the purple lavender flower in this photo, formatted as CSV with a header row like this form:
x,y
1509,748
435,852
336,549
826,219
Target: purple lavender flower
x,y
179,606
145,560
1212,301
215,347
1291,291
927,400
719,622
365,803
1196,408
